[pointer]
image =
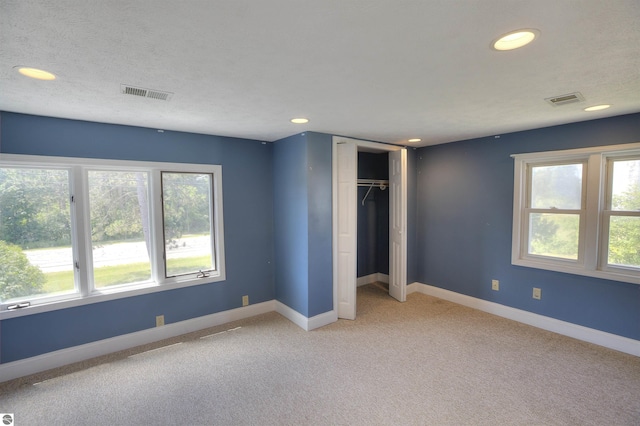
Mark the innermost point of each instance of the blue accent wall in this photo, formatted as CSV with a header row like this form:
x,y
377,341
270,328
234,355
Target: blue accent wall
x,y
291,222
303,223
320,183
464,218
247,173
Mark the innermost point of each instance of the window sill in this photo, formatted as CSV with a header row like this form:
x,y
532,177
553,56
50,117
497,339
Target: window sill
x,y
632,277
76,300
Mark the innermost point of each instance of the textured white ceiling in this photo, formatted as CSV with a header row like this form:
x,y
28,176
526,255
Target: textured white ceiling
x,y
379,70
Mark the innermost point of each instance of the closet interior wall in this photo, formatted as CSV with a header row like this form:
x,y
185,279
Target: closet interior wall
x,y
373,216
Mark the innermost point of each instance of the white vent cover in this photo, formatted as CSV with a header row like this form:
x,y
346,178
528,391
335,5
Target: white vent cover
x,y
569,98
145,93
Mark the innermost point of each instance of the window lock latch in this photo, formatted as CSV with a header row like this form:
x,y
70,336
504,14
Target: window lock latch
x,y
202,274
18,306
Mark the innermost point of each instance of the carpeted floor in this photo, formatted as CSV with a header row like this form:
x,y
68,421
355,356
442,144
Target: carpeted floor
x,y
423,362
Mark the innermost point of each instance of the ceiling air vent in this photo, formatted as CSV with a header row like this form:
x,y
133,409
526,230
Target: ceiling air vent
x,y
145,93
569,98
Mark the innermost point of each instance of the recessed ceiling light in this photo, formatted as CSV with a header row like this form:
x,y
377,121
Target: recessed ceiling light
x,y
597,107
515,39
299,120
414,140
35,73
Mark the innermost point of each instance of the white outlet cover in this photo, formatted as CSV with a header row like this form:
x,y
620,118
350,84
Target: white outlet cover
x,y
537,293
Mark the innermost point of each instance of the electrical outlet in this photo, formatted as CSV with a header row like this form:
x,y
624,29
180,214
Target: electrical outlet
x,y
495,285
537,293
159,320
245,300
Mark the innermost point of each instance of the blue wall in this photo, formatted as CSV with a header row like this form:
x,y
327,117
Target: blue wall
x,y
291,216
247,174
320,183
303,224
464,218
459,223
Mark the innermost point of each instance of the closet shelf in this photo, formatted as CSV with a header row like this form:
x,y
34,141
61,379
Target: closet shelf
x,y
373,182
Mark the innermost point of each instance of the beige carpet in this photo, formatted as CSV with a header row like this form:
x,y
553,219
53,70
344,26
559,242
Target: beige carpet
x,y
423,362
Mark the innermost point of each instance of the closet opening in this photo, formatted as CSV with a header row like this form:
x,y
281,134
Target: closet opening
x,y
369,220
373,219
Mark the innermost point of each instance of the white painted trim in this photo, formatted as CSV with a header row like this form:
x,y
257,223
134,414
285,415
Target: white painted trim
x,y
608,340
368,146
334,221
367,279
36,364
292,315
622,149
303,322
383,278
592,252
372,278
321,320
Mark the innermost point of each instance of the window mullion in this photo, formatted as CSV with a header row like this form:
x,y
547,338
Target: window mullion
x,y
81,232
520,218
594,202
604,243
553,211
157,234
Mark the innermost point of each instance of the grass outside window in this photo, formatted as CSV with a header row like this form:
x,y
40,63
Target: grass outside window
x,y
113,275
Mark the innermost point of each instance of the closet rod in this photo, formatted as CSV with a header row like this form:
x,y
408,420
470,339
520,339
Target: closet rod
x,y
371,183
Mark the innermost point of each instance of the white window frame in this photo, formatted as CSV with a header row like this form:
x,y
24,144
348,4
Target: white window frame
x,y
85,293
592,256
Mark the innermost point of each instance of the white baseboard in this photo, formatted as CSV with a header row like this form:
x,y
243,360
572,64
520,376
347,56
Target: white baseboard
x,y
322,319
36,364
372,278
303,322
608,340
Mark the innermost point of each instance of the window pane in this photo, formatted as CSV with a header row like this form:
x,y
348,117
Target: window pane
x,y
558,187
119,215
187,222
555,235
35,233
624,241
625,186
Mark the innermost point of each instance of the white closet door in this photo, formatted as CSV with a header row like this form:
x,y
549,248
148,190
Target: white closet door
x,y
347,175
398,224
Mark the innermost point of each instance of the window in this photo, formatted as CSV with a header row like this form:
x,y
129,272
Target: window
x,y
187,223
81,231
35,233
622,213
578,211
120,233
555,209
